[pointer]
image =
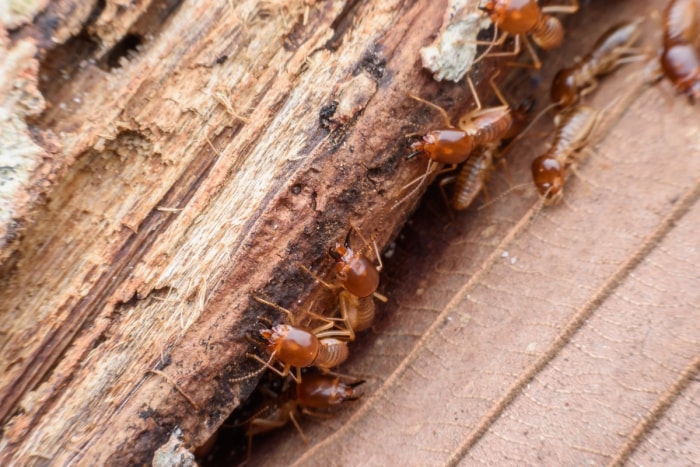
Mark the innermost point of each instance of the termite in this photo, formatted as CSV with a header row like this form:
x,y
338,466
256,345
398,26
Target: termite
x,y
574,128
359,279
475,171
357,274
454,145
680,58
525,17
613,48
315,391
298,347
318,391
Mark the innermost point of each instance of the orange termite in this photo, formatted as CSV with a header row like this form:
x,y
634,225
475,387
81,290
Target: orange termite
x,y
319,391
525,17
680,58
613,48
454,145
315,391
574,127
357,274
298,347
359,279
475,171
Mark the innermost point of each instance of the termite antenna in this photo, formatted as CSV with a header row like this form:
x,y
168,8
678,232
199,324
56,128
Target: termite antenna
x,y
502,195
252,374
421,179
538,208
521,135
346,244
316,277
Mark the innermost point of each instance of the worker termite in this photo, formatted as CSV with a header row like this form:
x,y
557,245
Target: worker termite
x,y
454,145
680,58
359,279
613,48
474,173
525,17
315,391
357,274
293,346
574,128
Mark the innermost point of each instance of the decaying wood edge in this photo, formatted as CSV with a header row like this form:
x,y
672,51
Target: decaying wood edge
x,y
292,115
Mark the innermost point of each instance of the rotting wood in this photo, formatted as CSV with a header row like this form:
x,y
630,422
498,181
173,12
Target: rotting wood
x,y
186,154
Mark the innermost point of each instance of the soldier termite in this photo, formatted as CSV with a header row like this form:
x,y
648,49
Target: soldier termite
x,y
680,58
297,347
525,17
315,391
613,48
574,128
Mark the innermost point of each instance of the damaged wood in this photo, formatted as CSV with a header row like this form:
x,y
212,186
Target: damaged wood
x,y
181,156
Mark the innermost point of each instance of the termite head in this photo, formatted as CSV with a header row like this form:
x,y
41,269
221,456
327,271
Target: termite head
x,y
324,391
271,338
359,276
513,16
564,90
448,146
548,176
260,337
493,8
341,252
291,345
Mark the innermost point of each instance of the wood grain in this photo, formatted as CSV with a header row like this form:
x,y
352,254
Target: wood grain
x,y
182,155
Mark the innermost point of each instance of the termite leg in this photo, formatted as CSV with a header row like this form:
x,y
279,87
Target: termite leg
x,y
344,315
497,90
290,315
298,427
428,171
419,180
497,41
442,111
478,110
446,199
477,101
504,164
567,9
536,62
311,413
268,364
259,422
374,242
506,53
326,330
315,277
